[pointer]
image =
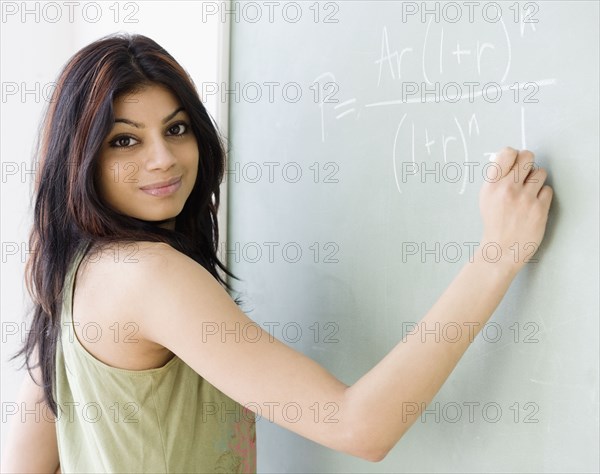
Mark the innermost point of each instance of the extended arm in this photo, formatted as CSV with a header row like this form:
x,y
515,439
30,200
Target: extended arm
x,y
187,311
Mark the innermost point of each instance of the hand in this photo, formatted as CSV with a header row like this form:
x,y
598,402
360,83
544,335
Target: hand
x,y
514,206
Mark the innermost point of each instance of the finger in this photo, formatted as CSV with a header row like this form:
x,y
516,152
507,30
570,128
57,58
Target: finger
x,y
545,195
534,182
504,161
523,166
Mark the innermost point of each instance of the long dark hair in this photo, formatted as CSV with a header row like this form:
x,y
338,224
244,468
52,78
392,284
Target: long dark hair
x,y
68,211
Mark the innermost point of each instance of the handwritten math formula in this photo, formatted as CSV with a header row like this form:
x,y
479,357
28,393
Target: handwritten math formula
x,y
440,61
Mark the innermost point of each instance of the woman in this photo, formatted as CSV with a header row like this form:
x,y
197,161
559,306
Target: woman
x,y
173,373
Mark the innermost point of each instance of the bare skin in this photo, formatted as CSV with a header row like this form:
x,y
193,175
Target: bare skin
x,y
260,370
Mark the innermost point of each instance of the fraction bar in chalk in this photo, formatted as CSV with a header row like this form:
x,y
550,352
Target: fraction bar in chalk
x,y
437,98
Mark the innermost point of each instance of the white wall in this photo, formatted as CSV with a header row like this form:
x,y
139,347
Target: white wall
x,y
34,47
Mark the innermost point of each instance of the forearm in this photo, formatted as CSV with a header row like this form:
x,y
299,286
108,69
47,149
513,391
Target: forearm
x,y
389,398
31,447
31,444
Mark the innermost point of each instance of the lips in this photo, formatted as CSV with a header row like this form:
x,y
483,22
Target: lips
x,y
161,184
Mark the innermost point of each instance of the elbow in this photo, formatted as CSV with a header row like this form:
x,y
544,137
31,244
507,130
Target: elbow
x,y
372,455
367,438
377,456
363,447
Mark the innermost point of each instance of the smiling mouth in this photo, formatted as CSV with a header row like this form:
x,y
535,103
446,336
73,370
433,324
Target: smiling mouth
x,y
163,190
162,184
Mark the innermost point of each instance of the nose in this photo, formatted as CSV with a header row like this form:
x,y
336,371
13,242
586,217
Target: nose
x,y
160,155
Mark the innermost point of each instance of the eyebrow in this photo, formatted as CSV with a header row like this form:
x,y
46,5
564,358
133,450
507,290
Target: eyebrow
x,y
141,125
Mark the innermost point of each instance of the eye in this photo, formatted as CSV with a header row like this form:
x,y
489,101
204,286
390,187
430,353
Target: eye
x,y
179,129
121,142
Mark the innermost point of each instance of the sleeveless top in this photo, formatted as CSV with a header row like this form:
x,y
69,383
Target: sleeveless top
x,y
163,420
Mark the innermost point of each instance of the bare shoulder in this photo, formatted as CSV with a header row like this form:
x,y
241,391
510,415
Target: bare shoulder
x,y
111,286
163,269
144,276
115,273
156,268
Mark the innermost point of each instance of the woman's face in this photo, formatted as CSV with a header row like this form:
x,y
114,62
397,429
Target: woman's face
x,y
150,143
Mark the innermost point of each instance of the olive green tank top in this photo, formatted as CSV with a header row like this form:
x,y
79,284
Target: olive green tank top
x,y
167,419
